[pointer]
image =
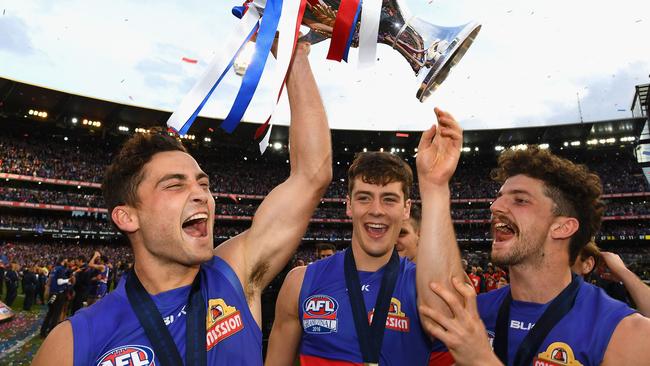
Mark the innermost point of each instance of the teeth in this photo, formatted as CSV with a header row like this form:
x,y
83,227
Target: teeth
x,y
197,216
376,226
500,225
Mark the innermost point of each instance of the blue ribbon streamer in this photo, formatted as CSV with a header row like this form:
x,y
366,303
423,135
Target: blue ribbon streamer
x,y
353,30
251,79
189,122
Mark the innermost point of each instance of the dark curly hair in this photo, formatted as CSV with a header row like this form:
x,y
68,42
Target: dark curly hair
x,y
123,176
380,168
575,191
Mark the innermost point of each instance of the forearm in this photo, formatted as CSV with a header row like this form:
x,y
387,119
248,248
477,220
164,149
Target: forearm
x,y
438,254
639,291
309,135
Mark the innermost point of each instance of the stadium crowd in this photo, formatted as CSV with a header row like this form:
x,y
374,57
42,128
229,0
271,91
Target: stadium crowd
x,y
620,172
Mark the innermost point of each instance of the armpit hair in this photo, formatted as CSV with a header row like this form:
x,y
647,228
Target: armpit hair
x,y
256,278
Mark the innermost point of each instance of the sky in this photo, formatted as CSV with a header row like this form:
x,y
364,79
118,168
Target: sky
x,y
529,66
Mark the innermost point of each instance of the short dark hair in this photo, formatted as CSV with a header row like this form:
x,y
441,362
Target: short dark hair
x,y
325,246
81,258
591,250
380,168
416,216
124,175
575,191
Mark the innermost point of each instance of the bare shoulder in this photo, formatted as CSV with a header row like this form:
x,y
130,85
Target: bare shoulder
x,y
290,291
293,280
232,251
630,342
57,349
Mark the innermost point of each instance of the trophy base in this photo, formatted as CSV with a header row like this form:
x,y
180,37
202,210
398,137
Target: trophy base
x,y
445,61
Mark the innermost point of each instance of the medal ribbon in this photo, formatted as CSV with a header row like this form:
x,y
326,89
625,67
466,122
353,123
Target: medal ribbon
x,y
370,336
556,310
154,327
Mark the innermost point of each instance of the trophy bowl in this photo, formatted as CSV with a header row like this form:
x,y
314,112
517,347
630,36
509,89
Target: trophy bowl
x,y
431,50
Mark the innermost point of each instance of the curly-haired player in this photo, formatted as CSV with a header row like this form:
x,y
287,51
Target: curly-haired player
x,y
546,211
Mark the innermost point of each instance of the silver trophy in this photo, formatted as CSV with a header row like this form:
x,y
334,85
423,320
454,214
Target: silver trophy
x,y
431,50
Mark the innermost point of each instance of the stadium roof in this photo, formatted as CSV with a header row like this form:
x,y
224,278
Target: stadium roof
x,y
17,98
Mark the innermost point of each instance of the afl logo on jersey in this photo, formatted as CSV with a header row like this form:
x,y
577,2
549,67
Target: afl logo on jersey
x,y
319,314
128,356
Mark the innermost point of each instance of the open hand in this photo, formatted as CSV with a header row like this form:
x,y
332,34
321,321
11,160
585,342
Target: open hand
x,y
439,151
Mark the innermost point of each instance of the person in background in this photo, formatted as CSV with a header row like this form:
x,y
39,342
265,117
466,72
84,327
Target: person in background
x,y
409,235
324,250
30,285
11,280
59,282
614,270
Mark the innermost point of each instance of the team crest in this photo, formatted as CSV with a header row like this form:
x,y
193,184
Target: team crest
x,y
131,355
319,314
222,322
396,319
557,354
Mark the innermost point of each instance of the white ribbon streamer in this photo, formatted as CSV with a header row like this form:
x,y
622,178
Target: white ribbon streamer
x,y
368,32
217,66
287,37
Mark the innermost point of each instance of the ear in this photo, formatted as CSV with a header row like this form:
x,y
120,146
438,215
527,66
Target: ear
x,y
125,218
564,227
348,207
407,209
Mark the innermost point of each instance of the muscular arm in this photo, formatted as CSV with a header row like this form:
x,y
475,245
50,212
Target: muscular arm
x,y
258,254
629,344
57,349
438,254
639,291
287,331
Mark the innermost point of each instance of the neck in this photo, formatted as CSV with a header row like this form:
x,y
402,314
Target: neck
x,y
157,277
368,263
539,285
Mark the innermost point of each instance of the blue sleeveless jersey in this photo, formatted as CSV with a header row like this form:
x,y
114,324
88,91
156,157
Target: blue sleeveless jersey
x,y
325,313
580,338
102,284
108,333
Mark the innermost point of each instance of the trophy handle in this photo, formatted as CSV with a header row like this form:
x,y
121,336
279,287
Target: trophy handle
x,y
312,37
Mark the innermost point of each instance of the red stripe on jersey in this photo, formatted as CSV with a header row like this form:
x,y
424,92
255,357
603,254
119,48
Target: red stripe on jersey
x,y
306,360
441,359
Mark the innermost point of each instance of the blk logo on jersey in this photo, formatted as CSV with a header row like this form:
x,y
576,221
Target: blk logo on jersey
x,y
557,354
222,322
396,319
516,324
319,314
128,356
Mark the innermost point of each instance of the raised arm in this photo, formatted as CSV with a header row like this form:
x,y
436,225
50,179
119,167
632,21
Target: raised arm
x,y
287,330
438,254
639,291
258,254
92,264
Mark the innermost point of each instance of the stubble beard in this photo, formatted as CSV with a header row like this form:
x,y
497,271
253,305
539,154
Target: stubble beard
x,y
527,249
